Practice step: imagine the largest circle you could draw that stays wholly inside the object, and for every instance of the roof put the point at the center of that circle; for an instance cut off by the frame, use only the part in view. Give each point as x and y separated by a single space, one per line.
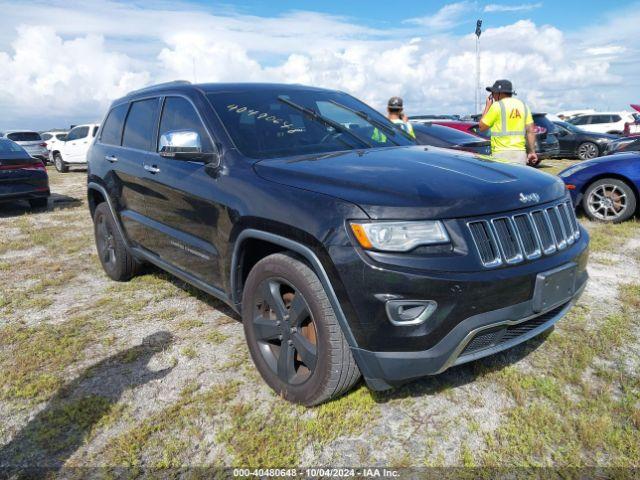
185 86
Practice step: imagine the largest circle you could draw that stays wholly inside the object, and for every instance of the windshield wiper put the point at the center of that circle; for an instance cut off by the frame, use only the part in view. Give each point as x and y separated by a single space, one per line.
327 121
391 130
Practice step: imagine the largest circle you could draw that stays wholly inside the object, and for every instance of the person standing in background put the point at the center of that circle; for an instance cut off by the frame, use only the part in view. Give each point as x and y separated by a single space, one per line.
513 138
396 115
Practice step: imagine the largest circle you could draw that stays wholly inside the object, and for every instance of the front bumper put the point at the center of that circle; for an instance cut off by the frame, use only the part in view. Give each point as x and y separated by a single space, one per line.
476 337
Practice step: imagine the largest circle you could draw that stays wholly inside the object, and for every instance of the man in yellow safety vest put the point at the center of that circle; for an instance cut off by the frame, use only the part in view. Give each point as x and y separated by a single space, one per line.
513 137
396 115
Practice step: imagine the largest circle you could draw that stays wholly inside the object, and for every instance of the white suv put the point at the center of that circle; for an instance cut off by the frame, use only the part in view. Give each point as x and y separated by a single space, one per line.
53 140
603 122
73 151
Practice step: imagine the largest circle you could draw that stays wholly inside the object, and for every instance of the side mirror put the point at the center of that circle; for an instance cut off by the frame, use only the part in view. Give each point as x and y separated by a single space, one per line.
185 145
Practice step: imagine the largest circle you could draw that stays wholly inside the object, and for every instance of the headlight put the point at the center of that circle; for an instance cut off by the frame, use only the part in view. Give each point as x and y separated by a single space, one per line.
399 236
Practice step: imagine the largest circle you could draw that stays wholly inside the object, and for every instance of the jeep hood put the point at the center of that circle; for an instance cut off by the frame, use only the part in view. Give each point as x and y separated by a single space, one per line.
415 182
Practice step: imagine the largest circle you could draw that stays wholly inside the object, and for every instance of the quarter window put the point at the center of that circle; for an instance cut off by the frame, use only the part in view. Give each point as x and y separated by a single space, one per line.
179 114
112 130
140 125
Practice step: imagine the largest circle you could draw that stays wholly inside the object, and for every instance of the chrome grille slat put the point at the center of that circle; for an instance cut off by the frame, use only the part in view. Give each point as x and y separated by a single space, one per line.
564 217
556 227
528 235
543 230
485 243
507 239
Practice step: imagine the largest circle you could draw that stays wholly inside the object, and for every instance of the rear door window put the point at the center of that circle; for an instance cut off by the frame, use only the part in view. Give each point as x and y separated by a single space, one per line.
112 129
46 136
139 129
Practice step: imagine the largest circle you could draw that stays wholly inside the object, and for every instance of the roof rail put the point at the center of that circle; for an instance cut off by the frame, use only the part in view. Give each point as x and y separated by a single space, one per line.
173 83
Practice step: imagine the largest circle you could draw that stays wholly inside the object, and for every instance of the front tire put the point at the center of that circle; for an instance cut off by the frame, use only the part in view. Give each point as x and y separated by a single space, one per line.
118 263
609 200
60 164
587 151
292 332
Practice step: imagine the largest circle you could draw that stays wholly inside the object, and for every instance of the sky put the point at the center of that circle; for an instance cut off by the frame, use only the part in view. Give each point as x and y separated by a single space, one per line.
63 62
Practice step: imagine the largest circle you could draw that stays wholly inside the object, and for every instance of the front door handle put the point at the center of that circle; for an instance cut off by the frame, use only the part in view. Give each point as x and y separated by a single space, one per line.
151 168
111 158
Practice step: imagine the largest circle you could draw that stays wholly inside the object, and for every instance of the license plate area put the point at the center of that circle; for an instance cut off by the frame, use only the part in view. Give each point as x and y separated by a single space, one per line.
554 287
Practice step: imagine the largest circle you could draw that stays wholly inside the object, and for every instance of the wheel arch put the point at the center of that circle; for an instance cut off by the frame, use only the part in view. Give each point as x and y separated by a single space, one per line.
243 259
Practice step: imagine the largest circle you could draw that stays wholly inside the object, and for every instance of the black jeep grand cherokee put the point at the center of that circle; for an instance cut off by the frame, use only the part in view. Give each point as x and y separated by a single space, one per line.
346 248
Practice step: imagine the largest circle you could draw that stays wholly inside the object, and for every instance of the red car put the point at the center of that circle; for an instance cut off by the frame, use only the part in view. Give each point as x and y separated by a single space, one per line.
633 129
469 127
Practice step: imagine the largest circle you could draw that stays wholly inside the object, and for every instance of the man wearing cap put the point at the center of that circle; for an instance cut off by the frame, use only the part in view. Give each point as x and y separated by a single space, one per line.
513 138
395 115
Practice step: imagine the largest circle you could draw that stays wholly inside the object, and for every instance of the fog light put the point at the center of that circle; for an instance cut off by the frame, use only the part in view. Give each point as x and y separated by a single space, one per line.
410 312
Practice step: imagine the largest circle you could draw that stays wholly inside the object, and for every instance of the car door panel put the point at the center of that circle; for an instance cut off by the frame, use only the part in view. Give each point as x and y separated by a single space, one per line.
184 217
183 223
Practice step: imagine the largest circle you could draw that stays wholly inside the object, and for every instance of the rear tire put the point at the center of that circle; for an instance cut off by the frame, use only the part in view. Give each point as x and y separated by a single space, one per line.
38 203
609 200
118 263
292 332
60 165
587 151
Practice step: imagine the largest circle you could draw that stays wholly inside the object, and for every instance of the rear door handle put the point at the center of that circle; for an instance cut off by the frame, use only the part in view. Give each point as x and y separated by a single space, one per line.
151 168
111 158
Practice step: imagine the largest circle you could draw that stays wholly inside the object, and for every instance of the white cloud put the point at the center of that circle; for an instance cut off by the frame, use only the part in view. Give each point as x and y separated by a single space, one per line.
447 17
67 72
499 7
46 74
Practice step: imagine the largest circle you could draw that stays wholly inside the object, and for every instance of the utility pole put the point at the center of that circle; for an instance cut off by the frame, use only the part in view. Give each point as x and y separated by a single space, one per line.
478 33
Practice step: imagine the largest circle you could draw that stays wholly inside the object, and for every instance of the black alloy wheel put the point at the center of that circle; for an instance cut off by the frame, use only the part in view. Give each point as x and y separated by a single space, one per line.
285 331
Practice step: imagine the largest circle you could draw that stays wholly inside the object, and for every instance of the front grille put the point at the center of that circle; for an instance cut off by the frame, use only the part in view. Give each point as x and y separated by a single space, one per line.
502 334
512 239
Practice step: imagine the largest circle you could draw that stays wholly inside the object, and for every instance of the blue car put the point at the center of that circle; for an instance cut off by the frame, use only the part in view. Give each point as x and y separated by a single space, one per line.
606 188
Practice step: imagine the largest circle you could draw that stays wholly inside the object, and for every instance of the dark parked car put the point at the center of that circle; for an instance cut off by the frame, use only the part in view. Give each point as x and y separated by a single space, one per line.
446 137
623 144
22 177
344 255
607 187
575 142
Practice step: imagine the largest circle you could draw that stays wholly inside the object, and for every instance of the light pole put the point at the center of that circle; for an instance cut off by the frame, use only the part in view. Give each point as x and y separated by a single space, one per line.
478 33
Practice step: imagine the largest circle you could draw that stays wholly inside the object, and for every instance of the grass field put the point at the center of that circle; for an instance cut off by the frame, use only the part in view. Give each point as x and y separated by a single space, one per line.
152 373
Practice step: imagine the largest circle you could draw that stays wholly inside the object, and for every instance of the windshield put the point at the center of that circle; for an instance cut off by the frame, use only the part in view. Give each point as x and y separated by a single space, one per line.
24 136
271 123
